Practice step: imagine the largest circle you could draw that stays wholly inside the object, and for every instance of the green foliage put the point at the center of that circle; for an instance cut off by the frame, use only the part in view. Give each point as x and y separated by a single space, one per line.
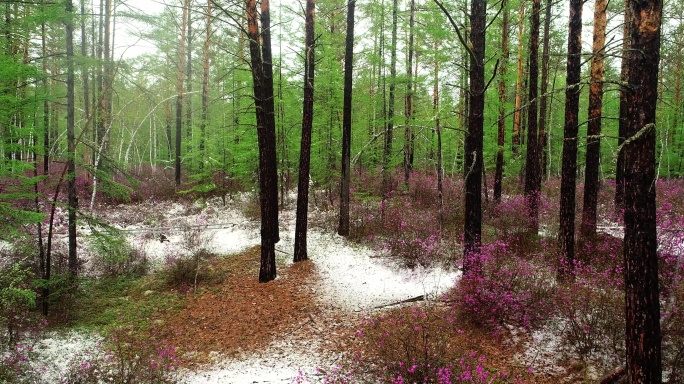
110 302
15 292
114 255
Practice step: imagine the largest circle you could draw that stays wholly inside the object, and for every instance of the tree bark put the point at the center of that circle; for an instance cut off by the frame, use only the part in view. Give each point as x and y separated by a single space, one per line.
622 124
46 104
84 75
408 105
268 178
345 184
188 82
643 336
71 142
501 123
543 102
300 251
569 166
205 86
474 138
269 110
593 154
517 114
532 166
438 131
389 128
179 99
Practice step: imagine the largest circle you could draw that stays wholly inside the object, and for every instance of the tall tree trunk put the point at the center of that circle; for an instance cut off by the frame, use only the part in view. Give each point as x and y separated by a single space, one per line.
438 130
46 104
300 252
501 123
678 95
387 153
269 110
107 78
408 107
179 99
98 132
474 138
569 162
543 102
188 82
517 114
85 75
593 155
71 142
345 183
205 86
532 166
268 177
643 336
169 134
622 124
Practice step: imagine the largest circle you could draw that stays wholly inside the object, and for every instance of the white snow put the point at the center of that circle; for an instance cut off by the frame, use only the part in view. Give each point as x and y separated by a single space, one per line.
53 353
280 362
352 278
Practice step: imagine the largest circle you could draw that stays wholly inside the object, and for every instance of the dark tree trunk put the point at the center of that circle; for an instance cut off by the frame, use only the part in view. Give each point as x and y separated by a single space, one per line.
84 74
517 114
188 83
543 102
205 86
532 166
593 155
107 81
345 184
46 104
98 132
169 134
622 124
408 106
387 153
438 131
179 99
71 142
268 192
569 163
643 337
268 107
300 252
501 123
473 142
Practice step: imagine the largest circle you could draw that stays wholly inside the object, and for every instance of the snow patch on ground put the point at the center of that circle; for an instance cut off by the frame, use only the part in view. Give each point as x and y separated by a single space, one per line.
281 362
53 353
352 278
541 353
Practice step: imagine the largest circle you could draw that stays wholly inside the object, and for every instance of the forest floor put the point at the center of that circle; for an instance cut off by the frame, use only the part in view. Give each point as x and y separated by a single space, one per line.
305 323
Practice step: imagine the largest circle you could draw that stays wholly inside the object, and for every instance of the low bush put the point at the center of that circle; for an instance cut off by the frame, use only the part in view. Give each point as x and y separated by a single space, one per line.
414 345
126 357
184 272
114 256
510 290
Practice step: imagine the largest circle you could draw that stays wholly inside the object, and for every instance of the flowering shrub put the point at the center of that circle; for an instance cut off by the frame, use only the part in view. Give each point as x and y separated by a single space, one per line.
593 319
183 272
16 352
125 359
509 290
413 345
410 236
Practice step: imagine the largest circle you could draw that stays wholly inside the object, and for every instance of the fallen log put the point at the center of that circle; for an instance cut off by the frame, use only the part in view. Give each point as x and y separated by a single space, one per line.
411 300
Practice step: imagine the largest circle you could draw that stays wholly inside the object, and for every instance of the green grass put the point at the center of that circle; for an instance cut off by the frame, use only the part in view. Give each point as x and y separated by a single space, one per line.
122 301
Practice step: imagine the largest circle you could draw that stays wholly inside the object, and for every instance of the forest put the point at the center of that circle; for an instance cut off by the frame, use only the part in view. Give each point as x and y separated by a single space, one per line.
333 191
